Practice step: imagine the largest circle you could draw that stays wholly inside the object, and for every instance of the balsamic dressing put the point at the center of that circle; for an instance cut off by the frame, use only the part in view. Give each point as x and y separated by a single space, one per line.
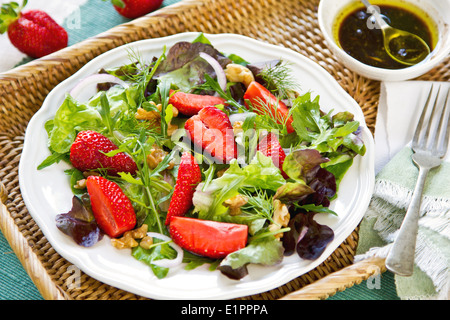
359 38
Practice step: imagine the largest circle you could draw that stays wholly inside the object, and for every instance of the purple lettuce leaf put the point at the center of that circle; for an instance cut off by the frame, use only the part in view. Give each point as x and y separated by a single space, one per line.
185 69
312 183
299 163
79 223
324 185
306 237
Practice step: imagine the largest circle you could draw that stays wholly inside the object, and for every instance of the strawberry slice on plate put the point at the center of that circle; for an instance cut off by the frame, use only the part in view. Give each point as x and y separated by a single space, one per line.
88 153
207 238
264 102
211 130
190 104
189 176
112 209
270 147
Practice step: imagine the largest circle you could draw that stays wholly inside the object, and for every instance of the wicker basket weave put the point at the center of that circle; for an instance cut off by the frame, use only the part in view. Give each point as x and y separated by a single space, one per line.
289 23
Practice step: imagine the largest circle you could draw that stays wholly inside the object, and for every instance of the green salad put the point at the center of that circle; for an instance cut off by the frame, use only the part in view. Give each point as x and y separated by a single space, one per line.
197 157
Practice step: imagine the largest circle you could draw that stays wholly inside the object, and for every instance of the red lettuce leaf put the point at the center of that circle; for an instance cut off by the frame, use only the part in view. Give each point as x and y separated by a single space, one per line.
324 185
306 237
79 223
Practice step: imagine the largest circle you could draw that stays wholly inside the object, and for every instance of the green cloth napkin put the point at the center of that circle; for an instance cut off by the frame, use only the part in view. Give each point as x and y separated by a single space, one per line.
392 194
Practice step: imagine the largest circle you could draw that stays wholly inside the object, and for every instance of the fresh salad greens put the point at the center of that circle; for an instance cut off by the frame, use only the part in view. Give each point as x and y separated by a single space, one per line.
280 198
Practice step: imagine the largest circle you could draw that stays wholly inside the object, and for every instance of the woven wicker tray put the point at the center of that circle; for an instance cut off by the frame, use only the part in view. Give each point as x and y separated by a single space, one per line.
289 23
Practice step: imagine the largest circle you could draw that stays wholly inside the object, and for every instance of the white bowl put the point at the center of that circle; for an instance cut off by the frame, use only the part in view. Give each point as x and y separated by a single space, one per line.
439 10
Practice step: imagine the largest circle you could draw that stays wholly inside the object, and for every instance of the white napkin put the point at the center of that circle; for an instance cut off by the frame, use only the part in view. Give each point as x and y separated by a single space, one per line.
59 10
399 109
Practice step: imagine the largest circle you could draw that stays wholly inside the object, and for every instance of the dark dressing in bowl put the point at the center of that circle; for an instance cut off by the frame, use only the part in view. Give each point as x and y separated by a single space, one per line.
358 36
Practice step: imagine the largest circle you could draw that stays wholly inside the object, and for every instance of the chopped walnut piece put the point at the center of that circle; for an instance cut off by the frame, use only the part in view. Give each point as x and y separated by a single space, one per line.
156 155
221 172
142 114
281 217
125 242
146 242
154 116
237 127
140 232
128 238
174 112
235 203
90 173
171 128
239 73
80 184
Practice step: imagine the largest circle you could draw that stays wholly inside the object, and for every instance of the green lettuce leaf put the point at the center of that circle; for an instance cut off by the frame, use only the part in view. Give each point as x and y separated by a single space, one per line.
147 256
264 251
72 116
261 173
323 132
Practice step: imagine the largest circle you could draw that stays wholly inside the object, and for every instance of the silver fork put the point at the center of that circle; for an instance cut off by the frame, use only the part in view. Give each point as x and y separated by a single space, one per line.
429 144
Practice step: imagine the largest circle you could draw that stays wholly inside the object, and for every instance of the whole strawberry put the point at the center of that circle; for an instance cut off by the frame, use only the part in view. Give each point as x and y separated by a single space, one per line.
135 8
32 32
88 153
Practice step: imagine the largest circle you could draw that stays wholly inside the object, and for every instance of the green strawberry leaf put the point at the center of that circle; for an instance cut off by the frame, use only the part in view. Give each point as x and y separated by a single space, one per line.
118 3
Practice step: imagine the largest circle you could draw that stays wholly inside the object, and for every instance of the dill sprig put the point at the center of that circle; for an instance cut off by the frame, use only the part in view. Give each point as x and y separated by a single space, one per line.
268 116
280 80
259 203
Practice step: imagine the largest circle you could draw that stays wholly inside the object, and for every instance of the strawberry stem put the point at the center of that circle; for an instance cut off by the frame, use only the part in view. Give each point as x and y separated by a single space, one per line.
9 13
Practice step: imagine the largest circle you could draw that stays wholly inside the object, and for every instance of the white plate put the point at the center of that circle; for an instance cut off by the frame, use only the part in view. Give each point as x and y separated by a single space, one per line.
47 193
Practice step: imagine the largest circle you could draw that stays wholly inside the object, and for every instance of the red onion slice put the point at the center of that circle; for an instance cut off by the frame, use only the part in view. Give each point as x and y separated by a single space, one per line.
95 79
220 73
167 263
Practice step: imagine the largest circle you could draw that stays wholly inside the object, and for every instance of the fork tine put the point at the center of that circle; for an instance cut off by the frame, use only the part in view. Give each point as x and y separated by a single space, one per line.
432 139
431 142
417 138
444 123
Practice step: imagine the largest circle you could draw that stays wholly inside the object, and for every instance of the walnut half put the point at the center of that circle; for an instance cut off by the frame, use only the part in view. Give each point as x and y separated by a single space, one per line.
237 73
235 203
281 217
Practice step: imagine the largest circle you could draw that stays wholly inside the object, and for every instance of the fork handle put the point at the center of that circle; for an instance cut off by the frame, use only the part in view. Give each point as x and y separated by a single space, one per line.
400 259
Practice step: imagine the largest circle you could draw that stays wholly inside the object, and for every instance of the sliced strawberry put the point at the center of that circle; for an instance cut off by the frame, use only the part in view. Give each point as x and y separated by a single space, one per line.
270 147
87 153
264 102
190 104
112 209
211 130
208 238
189 176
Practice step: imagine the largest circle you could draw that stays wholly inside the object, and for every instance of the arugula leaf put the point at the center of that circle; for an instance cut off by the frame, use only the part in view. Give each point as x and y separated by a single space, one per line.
225 95
55 157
